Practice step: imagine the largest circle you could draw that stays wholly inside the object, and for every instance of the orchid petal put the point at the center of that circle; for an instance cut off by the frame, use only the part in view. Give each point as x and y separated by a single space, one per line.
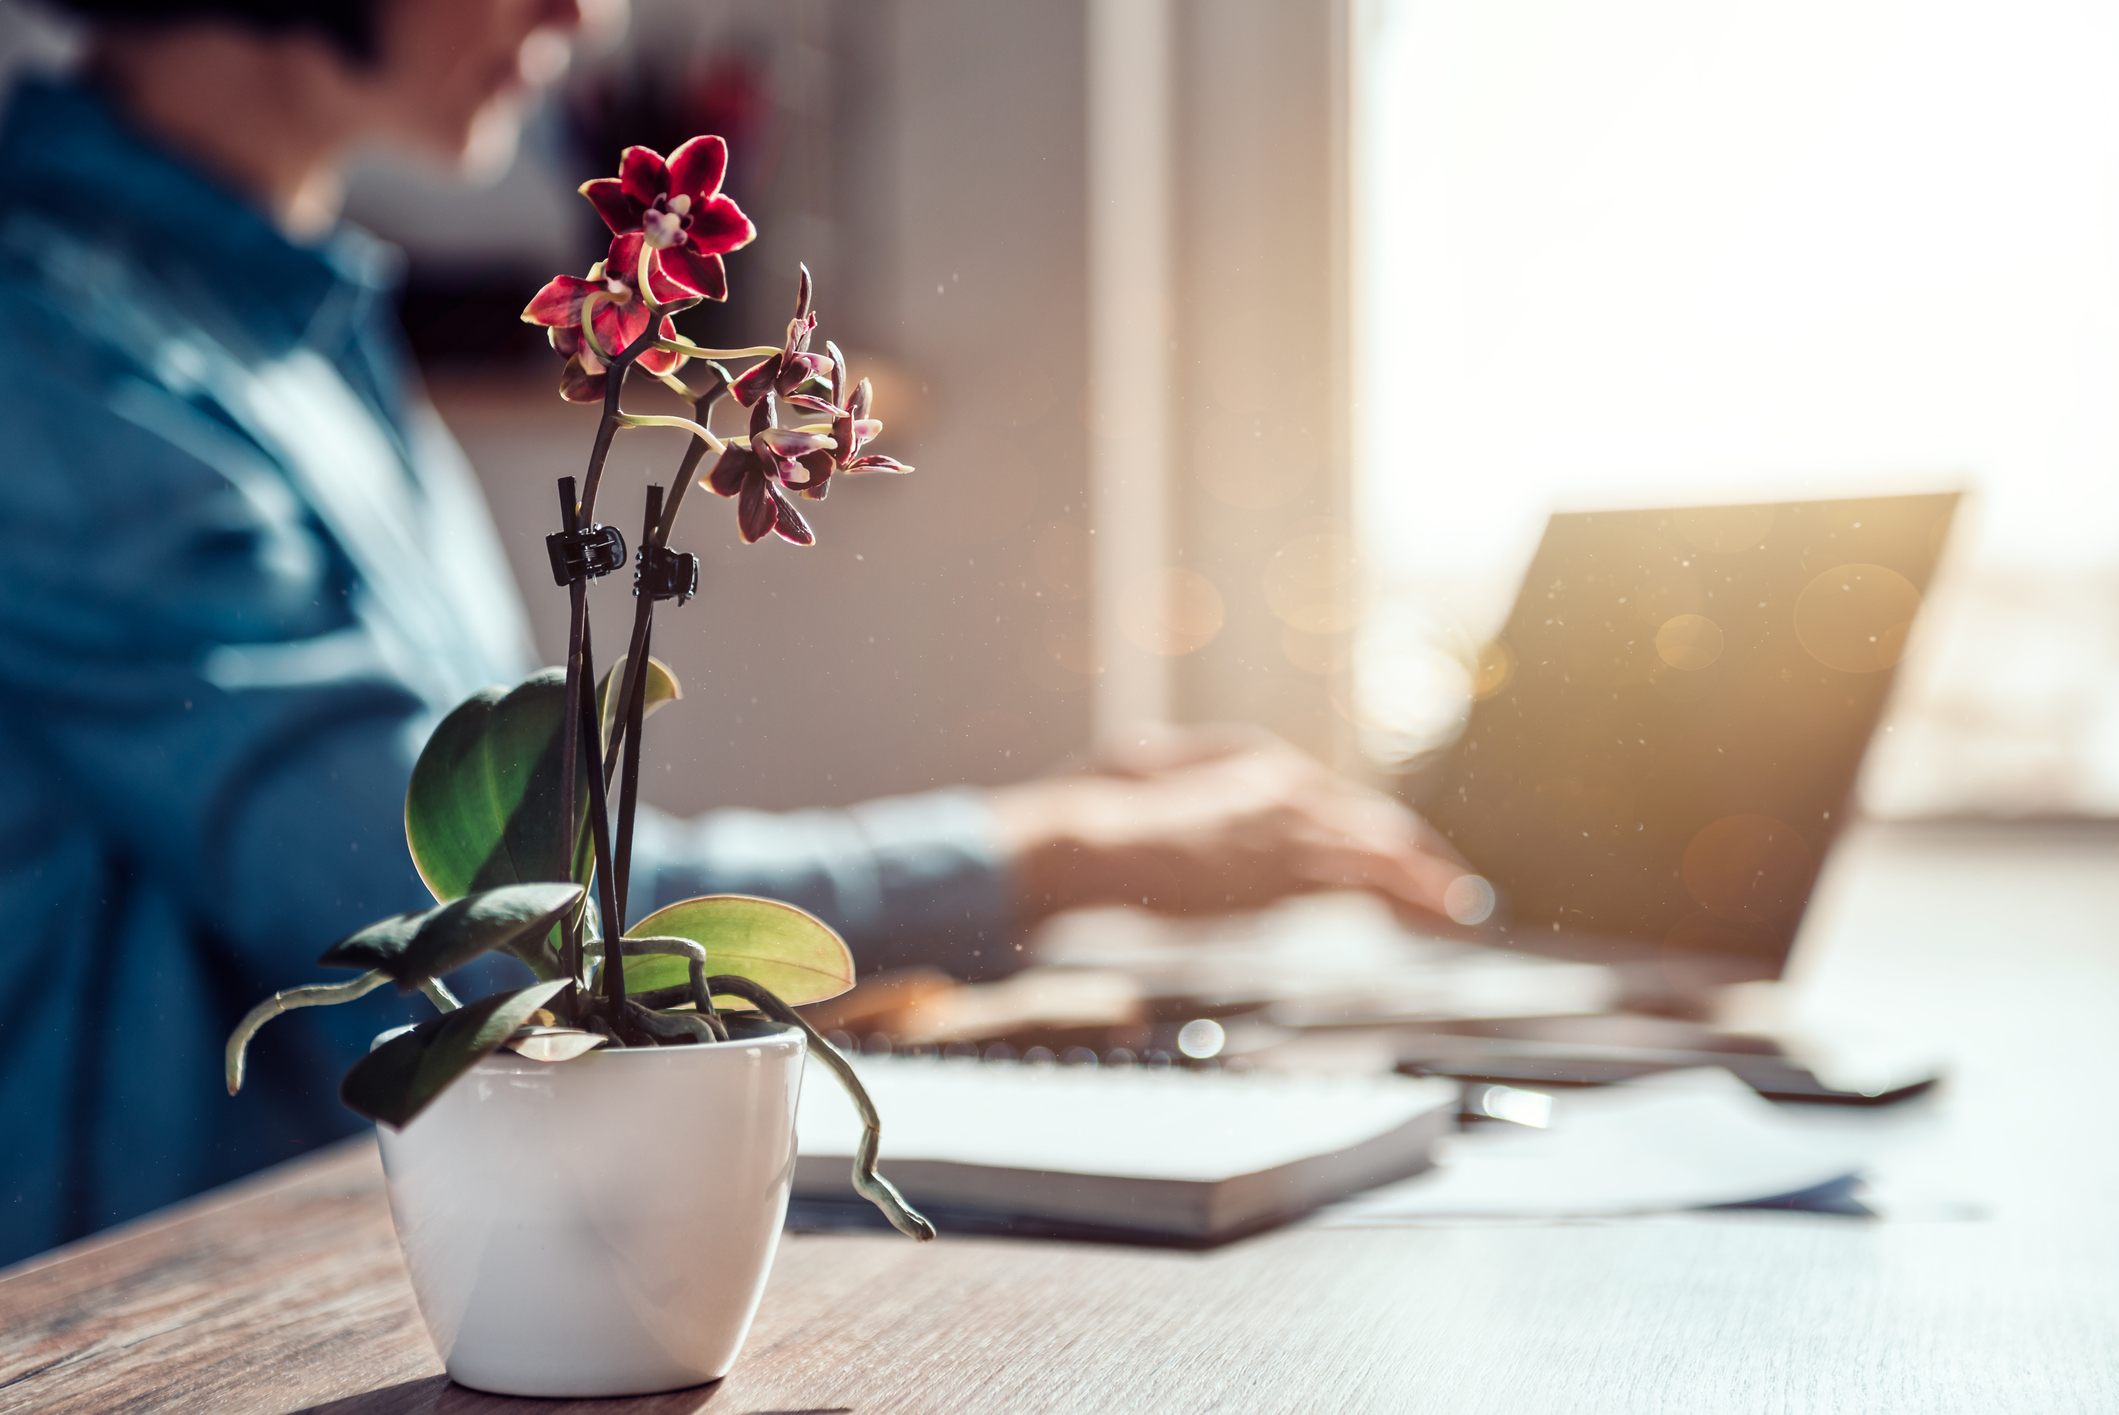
821 465
667 287
787 442
838 374
619 211
578 385
757 511
622 261
755 382
719 226
810 403
664 360
876 464
726 479
696 168
787 521
559 303
799 369
699 274
643 175
617 326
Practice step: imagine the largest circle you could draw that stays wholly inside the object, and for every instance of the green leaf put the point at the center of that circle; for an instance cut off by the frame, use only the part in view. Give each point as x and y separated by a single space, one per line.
413 947
398 1080
483 808
662 687
773 944
651 971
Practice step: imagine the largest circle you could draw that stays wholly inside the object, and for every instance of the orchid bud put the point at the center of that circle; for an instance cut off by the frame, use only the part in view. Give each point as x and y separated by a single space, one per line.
838 373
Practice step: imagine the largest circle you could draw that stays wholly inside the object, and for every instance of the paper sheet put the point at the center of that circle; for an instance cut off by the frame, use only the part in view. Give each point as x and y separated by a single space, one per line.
1136 1122
1680 1140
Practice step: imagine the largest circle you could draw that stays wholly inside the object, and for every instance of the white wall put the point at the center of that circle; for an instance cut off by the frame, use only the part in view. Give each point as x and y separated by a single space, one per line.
922 641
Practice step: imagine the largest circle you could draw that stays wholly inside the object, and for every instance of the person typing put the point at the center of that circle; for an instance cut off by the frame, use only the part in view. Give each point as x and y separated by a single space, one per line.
227 624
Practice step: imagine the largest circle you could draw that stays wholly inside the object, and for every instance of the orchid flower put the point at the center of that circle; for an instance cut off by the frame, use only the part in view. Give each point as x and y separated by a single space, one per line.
678 208
788 372
608 306
851 429
761 469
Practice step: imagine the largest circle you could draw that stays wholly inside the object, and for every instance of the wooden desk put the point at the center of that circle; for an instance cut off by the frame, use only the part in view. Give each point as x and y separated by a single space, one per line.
286 1294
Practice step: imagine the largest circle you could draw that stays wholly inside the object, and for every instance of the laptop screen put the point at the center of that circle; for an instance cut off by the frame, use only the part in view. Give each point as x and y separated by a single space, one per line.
1668 729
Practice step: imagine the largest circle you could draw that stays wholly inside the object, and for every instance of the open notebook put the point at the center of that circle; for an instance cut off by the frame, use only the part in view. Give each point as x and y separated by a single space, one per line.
1172 1154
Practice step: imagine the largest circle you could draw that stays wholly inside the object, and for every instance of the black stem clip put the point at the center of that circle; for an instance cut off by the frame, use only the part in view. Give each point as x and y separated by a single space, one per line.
587 554
666 574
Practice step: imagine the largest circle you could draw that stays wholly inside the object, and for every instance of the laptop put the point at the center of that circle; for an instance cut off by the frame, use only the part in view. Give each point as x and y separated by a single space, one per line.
1667 736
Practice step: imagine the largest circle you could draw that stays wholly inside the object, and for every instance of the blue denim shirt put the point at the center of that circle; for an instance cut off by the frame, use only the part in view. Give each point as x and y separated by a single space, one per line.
243 570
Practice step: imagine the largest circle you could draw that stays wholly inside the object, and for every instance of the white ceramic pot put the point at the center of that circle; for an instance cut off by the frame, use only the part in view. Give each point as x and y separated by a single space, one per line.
600 1226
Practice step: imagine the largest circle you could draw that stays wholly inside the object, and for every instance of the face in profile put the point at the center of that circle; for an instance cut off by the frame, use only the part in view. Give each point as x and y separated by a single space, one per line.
451 75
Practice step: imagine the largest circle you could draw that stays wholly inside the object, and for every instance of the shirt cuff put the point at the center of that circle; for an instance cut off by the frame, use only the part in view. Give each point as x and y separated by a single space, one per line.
906 880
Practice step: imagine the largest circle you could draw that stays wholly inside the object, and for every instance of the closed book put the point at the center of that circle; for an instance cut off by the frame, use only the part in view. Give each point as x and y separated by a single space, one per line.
1155 1153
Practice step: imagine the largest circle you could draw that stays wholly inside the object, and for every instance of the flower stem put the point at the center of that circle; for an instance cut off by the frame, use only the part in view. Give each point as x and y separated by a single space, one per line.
600 831
659 535
694 351
635 710
613 386
702 411
569 762
713 443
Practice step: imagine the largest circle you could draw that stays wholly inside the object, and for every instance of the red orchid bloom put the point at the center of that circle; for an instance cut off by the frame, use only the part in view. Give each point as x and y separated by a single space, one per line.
760 476
851 429
620 317
788 372
678 208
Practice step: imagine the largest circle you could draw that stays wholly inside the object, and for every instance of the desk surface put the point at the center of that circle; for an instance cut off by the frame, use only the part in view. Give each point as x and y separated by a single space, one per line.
286 1294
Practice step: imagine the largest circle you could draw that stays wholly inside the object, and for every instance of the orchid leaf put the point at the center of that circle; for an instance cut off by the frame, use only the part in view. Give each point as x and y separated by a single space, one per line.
415 947
400 1078
483 807
775 945
662 687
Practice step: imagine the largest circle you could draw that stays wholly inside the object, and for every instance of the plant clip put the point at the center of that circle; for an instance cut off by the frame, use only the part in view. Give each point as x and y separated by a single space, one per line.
586 554
666 574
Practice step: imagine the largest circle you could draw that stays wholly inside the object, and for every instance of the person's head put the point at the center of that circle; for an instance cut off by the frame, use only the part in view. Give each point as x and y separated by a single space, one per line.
226 76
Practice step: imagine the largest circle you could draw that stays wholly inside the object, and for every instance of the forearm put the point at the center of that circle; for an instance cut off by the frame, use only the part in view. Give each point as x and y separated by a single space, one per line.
907 880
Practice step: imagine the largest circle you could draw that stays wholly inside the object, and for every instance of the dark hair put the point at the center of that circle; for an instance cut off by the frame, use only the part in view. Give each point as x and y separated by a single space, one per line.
349 24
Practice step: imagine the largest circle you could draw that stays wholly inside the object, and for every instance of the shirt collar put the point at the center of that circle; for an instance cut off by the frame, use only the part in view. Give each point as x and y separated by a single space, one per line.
68 154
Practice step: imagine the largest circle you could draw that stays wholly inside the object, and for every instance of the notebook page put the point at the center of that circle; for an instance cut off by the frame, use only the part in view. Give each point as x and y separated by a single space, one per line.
1132 1122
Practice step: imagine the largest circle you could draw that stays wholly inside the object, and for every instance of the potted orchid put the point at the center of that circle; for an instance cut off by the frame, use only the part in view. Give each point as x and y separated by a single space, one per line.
589 1174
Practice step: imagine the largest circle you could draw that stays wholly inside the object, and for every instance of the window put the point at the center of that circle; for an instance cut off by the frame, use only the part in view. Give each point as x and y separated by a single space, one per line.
1653 251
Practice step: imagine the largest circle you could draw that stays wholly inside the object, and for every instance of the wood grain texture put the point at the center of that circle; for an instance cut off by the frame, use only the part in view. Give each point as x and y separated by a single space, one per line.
286 1294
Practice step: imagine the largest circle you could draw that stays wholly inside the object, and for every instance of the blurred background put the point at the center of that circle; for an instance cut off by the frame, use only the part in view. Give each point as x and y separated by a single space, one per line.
1242 348
1645 252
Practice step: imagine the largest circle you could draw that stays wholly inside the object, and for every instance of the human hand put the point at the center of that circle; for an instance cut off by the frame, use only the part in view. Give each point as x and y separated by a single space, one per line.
1214 819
